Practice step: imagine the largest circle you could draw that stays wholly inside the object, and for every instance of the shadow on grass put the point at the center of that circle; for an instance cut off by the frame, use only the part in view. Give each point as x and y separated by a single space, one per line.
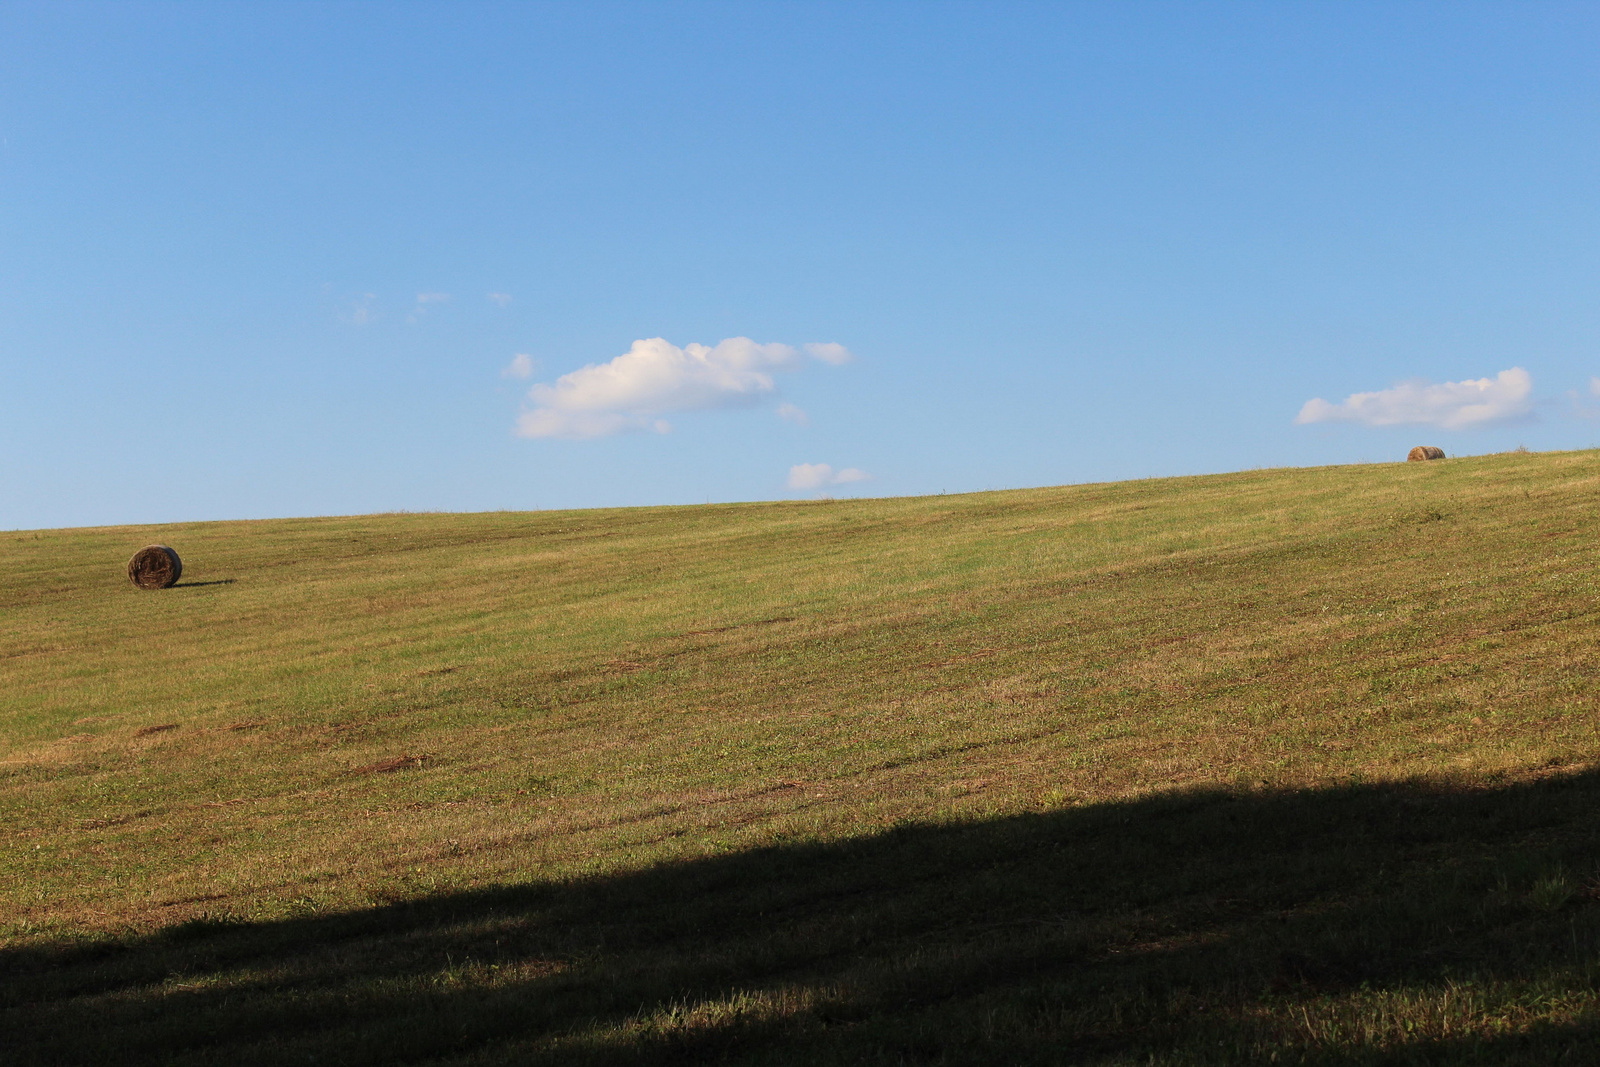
196 585
1410 923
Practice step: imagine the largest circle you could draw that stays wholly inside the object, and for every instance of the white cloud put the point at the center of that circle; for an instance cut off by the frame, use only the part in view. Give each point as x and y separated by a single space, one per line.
829 353
809 475
651 379
1448 405
794 414
818 475
503 299
521 366
1594 386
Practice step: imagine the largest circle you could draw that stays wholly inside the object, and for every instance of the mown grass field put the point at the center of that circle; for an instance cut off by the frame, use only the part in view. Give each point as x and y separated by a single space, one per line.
1290 765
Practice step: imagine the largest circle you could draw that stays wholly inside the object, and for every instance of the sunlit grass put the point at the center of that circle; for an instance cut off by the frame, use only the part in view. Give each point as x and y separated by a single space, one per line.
336 714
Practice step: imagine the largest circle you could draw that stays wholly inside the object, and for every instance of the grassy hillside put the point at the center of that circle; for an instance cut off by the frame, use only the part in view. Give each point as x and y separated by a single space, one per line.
1286 763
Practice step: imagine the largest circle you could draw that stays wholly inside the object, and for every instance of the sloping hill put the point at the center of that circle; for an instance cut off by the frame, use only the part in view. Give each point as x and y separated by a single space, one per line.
1287 761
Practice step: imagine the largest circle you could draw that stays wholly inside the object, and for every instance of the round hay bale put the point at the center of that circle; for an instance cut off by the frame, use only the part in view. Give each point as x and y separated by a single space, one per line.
156 567
1424 452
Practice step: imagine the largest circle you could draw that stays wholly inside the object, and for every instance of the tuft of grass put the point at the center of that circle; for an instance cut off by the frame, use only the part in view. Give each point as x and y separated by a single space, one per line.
1196 770
1553 891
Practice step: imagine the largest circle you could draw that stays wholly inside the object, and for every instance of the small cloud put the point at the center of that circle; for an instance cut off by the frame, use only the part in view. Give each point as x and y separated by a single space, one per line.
424 302
819 475
654 378
796 415
809 475
1447 405
502 299
1594 386
829 353
363 311
521 366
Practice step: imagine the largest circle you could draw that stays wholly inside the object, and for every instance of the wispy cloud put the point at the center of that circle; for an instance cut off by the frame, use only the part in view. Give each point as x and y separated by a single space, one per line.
363 311
655 378
821 475
502 299
425 301
1506 397
793 413
521 366
1580 405
830 352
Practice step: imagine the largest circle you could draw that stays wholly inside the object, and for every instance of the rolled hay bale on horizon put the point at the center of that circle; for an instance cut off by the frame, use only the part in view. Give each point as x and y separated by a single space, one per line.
1424 452
155 567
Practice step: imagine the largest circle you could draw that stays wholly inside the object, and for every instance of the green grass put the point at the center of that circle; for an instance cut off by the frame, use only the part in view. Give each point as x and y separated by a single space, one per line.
1289 764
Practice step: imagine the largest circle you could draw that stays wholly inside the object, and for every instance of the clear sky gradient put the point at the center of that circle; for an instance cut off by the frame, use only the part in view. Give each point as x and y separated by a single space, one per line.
265 260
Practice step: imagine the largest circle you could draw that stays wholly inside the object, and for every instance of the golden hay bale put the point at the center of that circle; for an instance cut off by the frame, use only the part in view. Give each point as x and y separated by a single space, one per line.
1423 452
156 567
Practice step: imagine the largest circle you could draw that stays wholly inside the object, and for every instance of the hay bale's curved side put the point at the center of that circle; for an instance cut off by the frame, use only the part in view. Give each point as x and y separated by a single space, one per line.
155 567
1424 452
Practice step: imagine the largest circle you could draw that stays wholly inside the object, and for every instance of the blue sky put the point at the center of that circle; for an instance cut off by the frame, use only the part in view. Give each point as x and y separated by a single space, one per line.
263 260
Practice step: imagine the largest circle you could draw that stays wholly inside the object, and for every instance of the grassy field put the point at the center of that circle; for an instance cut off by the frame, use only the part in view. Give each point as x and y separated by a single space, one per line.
1278 766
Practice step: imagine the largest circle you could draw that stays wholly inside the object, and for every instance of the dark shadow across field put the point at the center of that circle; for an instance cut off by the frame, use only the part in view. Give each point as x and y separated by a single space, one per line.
1363 924
196 585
